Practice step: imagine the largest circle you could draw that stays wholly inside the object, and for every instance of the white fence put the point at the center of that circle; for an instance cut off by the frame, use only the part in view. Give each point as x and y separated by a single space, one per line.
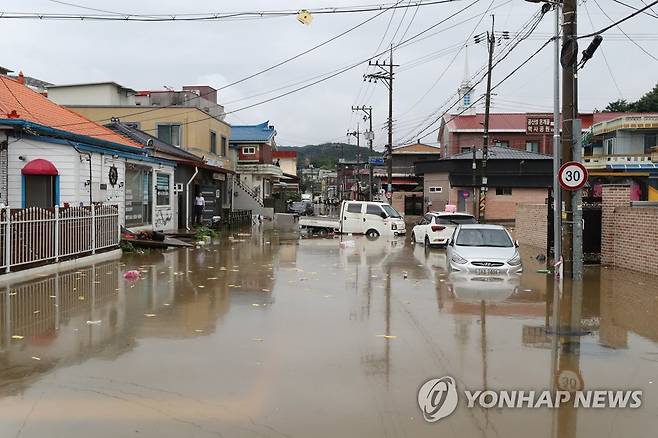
32 236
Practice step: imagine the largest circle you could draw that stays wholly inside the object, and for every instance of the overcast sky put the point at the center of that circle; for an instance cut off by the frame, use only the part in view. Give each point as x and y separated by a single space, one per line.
154 55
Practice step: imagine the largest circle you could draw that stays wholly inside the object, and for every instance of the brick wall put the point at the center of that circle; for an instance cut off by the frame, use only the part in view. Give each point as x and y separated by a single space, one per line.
530 224
629 236
503 207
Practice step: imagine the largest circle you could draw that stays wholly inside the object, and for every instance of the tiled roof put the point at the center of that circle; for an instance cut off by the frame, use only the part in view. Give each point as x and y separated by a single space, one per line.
142 138
500 153
260 133
26 104
514 121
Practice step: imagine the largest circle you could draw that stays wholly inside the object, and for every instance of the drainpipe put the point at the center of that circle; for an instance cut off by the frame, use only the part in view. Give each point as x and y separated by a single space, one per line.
187 198
91 199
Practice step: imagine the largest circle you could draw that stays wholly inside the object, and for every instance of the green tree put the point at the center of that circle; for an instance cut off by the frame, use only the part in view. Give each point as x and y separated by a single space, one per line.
645 104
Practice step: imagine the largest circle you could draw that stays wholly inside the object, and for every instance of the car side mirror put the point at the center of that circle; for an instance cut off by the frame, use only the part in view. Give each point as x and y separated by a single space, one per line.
451 242
516 243
383 215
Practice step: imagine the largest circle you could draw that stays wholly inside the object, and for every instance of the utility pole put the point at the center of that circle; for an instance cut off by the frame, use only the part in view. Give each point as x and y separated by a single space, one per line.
491 40
357 134
370 136
569 115
385 74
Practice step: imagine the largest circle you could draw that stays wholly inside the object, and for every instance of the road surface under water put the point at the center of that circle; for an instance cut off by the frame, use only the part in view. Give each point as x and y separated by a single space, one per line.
264 334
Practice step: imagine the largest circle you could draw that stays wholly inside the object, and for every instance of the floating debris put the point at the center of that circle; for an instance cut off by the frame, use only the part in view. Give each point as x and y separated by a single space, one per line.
387 336
201 286
149 315
257 339
17 337
96 322
81 298
255 304
131 275
36 358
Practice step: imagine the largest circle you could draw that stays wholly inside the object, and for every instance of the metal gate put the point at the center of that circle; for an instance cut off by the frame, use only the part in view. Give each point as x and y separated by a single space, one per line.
592 229
413 205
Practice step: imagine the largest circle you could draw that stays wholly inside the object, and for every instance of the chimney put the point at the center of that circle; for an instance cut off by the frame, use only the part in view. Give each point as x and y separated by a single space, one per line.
21 78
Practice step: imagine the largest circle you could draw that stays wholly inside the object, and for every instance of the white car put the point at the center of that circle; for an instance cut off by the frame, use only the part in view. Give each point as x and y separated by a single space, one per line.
483 250
436 228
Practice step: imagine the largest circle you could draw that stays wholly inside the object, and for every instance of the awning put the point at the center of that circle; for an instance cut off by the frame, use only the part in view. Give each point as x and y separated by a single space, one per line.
405 181
39 166
202 165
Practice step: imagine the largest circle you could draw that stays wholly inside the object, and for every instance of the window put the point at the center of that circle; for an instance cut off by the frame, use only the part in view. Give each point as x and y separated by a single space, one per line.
162 188
455 219
532 146
373 209
248 150
213 142
354 208
436 189
390 211
464 149
484 237
503 191
169 133
223 146
649 142
609 145
427 219
467 99
502 143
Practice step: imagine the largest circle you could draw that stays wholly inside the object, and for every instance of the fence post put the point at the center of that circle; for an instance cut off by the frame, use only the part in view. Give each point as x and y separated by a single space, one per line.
8 238
93 229
118 227
56 233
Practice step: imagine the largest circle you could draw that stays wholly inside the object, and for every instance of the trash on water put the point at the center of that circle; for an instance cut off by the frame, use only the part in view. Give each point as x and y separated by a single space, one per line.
36 358
257 339
17 337
131 275
96 322
149 315
387 336
255 304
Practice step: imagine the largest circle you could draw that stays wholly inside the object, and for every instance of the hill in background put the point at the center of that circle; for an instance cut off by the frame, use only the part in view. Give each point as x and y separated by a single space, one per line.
325 155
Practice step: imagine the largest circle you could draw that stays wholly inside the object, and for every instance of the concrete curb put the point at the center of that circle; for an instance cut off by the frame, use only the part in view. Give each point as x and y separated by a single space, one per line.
41 271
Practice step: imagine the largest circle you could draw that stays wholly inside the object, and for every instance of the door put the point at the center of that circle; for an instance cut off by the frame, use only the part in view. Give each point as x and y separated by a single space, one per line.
413 205
40 191
592 229
353 218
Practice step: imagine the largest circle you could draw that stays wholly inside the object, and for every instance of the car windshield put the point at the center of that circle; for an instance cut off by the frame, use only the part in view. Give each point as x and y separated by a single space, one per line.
490 237
390 211
455 220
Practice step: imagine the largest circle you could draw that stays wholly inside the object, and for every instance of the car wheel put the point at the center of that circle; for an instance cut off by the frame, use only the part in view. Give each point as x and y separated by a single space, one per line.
372 234
427 241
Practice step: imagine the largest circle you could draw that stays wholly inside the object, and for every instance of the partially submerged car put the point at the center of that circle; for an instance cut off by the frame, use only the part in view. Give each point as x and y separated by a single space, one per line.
483 250
436 228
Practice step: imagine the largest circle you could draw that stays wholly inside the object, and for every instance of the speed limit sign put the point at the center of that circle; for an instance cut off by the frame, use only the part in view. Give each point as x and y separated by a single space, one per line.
572 175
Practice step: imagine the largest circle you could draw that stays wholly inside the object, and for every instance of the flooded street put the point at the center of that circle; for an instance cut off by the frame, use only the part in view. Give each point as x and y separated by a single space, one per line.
264 334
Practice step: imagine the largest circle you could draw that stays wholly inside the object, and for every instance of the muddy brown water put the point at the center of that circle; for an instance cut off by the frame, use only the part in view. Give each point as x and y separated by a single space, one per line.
269 335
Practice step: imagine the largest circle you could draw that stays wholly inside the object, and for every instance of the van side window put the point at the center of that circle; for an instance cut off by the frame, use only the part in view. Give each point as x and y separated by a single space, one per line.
354 208
374 209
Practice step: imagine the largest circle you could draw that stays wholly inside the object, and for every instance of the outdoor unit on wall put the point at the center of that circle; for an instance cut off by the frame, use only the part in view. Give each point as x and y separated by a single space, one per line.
178 187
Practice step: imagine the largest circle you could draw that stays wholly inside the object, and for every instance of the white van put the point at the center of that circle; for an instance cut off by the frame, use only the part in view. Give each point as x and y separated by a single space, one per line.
360 217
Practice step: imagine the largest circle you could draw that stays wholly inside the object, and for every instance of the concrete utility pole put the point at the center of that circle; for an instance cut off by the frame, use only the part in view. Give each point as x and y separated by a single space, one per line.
357 134
569 60
386 75
370 136
491 40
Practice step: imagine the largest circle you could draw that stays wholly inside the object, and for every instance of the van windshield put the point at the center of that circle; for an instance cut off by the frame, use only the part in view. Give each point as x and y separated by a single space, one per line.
390 211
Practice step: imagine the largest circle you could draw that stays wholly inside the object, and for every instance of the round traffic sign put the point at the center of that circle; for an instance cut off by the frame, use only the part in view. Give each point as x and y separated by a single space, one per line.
572 175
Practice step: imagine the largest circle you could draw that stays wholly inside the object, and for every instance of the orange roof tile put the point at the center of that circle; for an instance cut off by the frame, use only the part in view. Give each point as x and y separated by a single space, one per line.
33 107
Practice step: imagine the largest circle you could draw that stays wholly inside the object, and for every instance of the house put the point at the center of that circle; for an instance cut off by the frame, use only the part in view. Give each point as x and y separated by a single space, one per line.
531 132
287 161
624 150
407 187
513 176
52 156
255 145
190 119
192 176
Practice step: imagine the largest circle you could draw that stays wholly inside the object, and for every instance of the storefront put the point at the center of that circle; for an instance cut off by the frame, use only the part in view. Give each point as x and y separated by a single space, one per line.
149 196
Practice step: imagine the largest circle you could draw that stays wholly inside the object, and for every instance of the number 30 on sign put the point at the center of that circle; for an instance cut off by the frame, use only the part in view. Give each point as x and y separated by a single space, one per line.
572 175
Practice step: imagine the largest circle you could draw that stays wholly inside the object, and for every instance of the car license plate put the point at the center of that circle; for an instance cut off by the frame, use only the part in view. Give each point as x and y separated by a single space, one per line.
487 271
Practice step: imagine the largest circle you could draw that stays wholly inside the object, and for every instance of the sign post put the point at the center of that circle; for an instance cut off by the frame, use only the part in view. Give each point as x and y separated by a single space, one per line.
572 175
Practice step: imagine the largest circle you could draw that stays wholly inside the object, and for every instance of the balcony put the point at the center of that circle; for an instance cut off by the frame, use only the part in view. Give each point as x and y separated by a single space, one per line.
607 161
626 122
260 169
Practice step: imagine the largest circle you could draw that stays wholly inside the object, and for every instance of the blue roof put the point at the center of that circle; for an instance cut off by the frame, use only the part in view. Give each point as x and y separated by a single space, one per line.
634 166
261 133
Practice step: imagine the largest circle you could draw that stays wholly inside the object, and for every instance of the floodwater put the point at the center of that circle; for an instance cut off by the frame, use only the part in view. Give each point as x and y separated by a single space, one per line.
269 335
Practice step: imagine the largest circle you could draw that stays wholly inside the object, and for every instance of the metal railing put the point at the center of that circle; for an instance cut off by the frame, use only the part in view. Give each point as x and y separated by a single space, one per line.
601 161
33 236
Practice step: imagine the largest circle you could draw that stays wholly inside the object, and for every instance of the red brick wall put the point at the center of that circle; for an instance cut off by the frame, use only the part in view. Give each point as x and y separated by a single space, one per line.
516 140
530 224
629 236
503 207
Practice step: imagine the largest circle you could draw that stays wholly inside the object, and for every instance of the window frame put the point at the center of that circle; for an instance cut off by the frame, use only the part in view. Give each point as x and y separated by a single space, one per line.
244 150
157 185
374 206
350 204
440 189
502 191
534 143
169 125
223 144
213 141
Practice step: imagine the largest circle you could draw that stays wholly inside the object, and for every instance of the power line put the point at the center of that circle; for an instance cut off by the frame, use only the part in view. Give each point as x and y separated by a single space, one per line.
618 22
211 16
620 29
634 8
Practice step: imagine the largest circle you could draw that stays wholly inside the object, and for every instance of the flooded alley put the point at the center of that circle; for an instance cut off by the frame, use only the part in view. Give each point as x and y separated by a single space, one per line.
266 334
